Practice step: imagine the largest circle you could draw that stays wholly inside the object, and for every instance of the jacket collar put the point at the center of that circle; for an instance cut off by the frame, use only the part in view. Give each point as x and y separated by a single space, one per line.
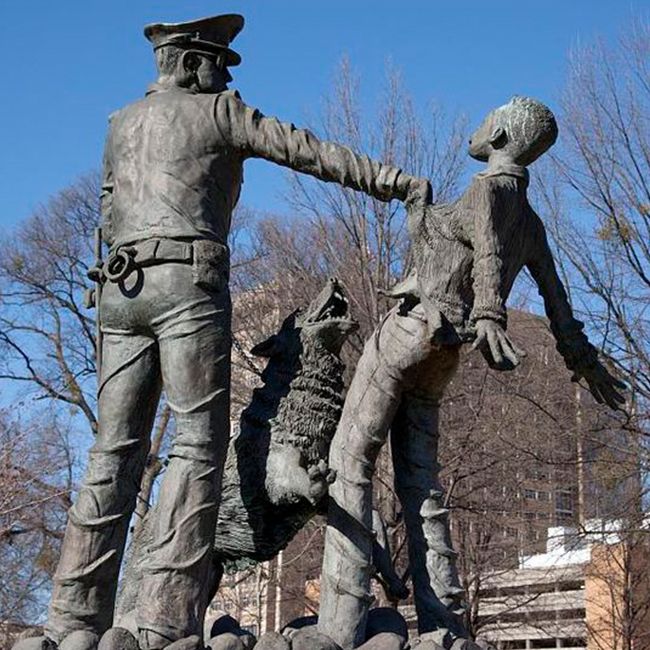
161 88
506 169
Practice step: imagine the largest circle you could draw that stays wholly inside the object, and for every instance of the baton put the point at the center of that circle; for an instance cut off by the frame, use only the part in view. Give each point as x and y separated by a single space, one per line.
96 275
98 298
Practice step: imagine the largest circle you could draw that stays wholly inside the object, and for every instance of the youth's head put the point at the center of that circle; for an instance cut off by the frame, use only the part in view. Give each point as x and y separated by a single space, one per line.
521 130
196 54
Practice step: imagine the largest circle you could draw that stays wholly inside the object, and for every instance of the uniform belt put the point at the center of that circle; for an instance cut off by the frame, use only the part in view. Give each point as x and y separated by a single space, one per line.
156 251
123 260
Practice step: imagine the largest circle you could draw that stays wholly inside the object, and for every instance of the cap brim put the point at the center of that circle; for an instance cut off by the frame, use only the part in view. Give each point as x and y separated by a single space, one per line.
230 24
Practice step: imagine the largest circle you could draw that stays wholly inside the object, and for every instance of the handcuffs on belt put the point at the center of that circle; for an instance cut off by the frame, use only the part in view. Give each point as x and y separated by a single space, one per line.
119 264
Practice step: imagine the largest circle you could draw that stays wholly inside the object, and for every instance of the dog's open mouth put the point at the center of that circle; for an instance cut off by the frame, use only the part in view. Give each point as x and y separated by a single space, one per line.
331 304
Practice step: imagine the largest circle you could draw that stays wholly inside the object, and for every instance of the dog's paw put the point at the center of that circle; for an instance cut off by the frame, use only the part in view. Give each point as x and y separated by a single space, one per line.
320 478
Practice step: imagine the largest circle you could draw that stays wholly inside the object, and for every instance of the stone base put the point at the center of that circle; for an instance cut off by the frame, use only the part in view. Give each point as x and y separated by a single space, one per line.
387 630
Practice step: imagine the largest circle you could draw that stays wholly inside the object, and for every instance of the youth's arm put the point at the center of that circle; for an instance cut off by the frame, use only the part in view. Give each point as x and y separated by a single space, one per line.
567 330
580 356
257 136
487 270
489 315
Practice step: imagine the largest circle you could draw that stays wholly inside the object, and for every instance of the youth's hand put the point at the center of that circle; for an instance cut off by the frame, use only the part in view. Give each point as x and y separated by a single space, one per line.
602 384
418 197
499 351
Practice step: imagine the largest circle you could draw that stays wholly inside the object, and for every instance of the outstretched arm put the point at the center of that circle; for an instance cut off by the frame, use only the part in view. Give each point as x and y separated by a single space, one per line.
257 136
579 355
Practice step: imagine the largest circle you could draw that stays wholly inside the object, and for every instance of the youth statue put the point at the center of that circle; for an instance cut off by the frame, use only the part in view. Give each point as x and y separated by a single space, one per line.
172 177
467 256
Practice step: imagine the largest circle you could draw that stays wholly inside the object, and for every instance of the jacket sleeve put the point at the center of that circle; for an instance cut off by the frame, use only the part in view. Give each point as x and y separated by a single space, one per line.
106 192
488 268
571 341
257 136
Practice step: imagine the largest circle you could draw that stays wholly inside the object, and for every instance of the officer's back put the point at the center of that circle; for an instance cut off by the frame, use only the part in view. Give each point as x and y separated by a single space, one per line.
174 175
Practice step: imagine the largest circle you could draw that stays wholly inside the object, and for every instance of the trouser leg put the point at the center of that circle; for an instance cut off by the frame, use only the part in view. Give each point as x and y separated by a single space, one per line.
371 403
195 360
86 578
414 441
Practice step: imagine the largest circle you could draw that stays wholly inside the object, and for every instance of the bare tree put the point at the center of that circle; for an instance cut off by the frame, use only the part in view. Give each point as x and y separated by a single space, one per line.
596 195
36 470
597 199
47 336
519 452
47 364
363 239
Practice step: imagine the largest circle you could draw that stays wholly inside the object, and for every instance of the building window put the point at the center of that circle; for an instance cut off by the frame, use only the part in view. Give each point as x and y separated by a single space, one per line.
563 503
537 495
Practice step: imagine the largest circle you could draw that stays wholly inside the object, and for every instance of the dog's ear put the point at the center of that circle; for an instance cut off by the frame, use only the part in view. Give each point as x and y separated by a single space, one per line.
289 323
266 348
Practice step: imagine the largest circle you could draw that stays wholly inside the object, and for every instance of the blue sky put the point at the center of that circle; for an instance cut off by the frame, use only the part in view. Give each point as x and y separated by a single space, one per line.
70 64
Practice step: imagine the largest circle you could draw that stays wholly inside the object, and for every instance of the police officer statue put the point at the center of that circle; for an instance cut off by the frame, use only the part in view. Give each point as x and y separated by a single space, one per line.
172 177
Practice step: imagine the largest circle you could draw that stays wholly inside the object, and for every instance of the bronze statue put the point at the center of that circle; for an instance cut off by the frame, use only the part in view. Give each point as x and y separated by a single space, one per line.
467 256
172 177
173 169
